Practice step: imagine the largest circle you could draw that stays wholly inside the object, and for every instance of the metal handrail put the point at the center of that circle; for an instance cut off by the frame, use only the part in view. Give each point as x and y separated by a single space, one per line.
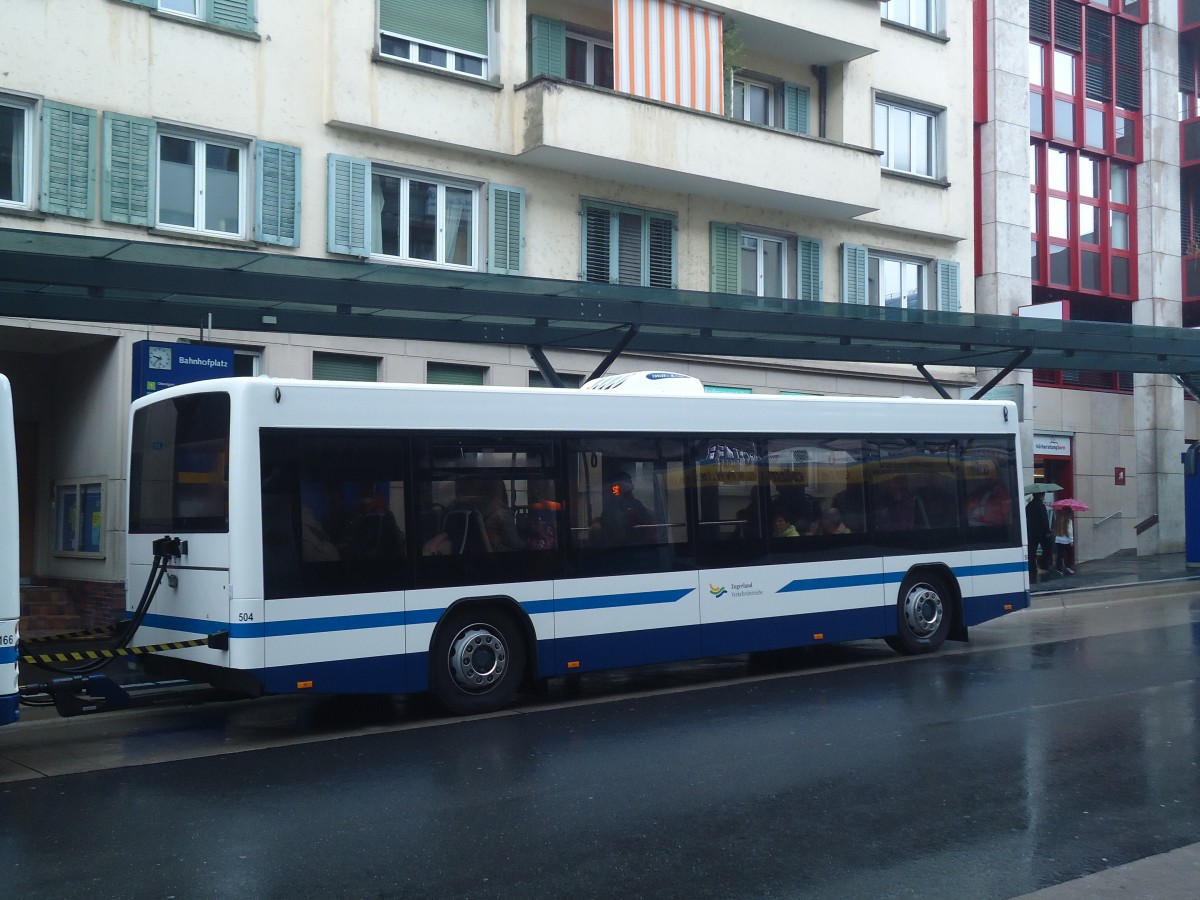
1115 515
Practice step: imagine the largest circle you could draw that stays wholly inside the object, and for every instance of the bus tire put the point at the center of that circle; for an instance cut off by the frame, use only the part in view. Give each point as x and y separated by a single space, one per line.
478 660
923 614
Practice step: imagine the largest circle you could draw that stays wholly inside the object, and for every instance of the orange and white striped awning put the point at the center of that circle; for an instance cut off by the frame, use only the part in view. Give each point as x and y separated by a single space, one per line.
670 52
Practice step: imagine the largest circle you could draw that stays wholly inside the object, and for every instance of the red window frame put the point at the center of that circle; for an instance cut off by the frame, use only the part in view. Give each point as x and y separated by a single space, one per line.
1067 185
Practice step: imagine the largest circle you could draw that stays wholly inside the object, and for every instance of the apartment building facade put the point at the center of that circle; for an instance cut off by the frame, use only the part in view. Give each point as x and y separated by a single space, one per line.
782 150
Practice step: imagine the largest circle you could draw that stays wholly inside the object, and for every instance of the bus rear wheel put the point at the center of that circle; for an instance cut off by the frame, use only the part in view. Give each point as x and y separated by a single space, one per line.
478 661
923 615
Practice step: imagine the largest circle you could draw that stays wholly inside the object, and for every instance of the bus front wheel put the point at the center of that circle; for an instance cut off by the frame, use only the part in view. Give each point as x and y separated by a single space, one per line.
923 615
478 661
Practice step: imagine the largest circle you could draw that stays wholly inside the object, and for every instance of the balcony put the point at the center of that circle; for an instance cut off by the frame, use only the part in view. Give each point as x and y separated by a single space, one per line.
820 32
594 132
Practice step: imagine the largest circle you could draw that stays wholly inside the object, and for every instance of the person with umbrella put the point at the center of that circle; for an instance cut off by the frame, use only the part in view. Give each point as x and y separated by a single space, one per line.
1037 525
1064 533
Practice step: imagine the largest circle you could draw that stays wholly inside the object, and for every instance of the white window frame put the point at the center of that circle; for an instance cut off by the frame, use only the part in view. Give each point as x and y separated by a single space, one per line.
923 270
591 44
76 487
741 83
196 13
889 137
403 236
412 54
785 250
202 142
900 12
29 148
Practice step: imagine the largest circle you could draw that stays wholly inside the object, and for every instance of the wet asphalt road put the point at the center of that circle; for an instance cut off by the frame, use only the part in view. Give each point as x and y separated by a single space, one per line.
1059 743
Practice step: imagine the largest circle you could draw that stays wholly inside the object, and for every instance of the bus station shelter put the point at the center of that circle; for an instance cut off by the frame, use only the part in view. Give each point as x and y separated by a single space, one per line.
109 280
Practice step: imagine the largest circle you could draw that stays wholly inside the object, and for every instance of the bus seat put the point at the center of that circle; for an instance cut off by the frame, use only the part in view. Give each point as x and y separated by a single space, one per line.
466 531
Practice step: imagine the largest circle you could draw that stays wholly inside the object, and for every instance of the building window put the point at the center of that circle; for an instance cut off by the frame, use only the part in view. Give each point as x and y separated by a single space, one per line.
764 271
16 154
79 517
1082 222
183 7
344 367
453 373
420 220
920 14
451 36
1085 79
907 137
201 185
625 245
897 282
589 60
753 101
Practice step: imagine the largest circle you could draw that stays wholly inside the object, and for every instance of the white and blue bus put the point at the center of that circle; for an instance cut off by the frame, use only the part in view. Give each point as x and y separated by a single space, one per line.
10 590
356 538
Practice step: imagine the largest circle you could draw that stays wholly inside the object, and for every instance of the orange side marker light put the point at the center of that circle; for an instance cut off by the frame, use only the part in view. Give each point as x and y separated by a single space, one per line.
300 685
574 664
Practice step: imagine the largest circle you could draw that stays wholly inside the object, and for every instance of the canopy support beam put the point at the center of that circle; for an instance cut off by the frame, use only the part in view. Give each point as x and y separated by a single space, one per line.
615 352
544 366
1002 374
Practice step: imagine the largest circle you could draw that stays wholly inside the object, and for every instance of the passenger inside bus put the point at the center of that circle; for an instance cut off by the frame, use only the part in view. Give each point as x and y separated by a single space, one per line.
830 523
624 519
899 509
781 526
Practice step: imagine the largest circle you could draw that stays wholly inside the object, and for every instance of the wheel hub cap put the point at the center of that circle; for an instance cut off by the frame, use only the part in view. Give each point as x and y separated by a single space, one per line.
478 659
923 611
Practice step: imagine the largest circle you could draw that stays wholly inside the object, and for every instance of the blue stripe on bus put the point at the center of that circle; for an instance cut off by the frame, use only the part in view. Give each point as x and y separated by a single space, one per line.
992 568
10 709
828 582
8 655
871 579
615 601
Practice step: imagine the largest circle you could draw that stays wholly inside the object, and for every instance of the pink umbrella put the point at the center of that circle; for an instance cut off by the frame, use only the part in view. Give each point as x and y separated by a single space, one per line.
1070 503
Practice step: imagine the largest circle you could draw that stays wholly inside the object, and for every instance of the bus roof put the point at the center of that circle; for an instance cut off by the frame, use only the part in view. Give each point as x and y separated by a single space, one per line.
283 402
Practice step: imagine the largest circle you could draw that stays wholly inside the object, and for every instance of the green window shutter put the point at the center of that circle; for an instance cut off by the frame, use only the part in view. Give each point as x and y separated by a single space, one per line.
237 14
458 24
947 286
348 229
450 373
725 258
660 253
506 229
127 181
547 47
597 244
343 367
854 273
277 212
68 160
810 281
795 108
